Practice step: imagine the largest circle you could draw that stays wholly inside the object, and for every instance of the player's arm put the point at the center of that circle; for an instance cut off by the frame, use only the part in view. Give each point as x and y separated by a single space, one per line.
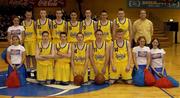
52 53
38 56
66 55
91 56
129 56
152 29
148 58
95 25
80 26
135 60
134 30
72 60
130 30
114 27
86 60
8 58
9 36
112 58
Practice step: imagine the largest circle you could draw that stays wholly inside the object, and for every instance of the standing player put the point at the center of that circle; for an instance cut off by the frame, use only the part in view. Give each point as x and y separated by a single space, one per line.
124 23
43 24
106 26
59 26
120 56
88 27
15 29
44 55
15 58
79 58
29 39
62 65
99 56
74 26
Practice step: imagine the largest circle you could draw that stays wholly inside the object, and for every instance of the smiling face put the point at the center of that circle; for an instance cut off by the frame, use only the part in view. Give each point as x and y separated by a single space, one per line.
43 13
16 21
104 15
15 40
142 14
155 43
63 37
142 41
80 37
59 14
121 14
73 16
28 14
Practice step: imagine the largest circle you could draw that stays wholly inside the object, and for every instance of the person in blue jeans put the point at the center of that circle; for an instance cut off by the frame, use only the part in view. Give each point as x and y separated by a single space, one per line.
15 58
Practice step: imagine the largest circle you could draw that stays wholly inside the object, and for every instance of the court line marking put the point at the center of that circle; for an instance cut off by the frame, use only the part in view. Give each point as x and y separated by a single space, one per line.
171 96
62 92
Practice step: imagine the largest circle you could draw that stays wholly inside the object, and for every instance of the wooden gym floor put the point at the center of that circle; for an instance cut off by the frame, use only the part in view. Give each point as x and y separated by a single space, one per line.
129 91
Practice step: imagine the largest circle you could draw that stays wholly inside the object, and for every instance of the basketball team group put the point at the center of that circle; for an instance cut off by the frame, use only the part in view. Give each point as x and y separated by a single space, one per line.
60 50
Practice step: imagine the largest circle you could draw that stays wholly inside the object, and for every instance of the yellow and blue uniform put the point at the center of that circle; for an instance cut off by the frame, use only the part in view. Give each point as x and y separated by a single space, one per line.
57 29
30 38
62 65
106 30
99 60
72 32
45 67
125 27
79 61
88 31
43 27
120 61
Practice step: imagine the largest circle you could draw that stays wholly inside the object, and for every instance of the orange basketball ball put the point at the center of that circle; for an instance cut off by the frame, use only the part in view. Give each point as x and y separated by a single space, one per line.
99 79
78 80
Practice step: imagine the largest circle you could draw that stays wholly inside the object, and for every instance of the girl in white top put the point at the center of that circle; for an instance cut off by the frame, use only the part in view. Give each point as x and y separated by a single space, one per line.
15 29
141 54
15 58
157 59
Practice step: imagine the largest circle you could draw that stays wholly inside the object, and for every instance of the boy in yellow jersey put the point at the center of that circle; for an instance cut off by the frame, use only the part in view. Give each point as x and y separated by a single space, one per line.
73 28
29 40
62 65
124 23
43 24
120 56
79 57
59 26
99 56
88 27
44 55
106 26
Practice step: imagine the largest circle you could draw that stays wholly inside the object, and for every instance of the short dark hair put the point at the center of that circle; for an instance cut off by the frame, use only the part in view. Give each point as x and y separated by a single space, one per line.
120 9
45 32
98 30
119 30
63 33
79 33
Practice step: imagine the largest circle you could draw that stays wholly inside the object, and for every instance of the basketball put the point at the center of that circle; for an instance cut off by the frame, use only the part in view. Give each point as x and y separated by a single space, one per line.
99 79
78 80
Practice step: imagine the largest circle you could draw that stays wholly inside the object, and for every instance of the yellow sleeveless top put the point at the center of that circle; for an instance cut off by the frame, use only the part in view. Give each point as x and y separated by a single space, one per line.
88 31
44 52
64 50
80 55
30 34
57 29
42 27
99 53
120 53
125 27
106 30
72 32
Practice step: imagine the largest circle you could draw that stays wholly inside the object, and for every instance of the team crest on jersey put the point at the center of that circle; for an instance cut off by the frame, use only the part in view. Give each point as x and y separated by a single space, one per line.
99 57
87 33
120 56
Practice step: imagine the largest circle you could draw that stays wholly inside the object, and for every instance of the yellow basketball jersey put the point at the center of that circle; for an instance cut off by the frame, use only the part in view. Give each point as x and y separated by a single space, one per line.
30 34
44 52
99 53
64 50
58 28
106 30
88 31
125 27
72 32
42 27
120 54
80 55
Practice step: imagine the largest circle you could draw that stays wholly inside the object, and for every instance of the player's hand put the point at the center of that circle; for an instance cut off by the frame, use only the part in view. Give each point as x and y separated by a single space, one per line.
114 69
128 68
103 70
